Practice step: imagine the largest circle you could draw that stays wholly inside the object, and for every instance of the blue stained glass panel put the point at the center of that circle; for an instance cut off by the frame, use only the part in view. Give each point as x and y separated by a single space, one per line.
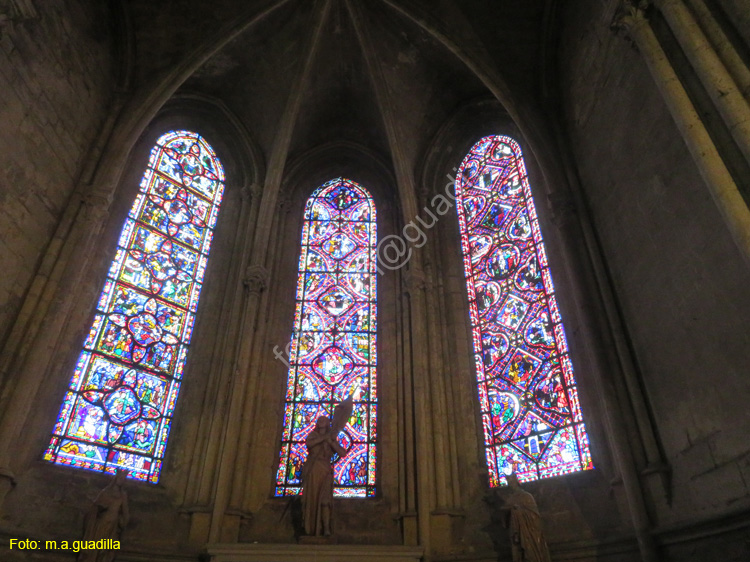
118 408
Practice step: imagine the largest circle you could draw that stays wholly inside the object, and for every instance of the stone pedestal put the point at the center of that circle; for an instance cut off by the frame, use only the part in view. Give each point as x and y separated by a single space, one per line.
446 530
311 553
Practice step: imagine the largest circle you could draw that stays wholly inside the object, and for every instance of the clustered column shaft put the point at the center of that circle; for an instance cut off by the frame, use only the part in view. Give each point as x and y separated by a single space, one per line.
705 154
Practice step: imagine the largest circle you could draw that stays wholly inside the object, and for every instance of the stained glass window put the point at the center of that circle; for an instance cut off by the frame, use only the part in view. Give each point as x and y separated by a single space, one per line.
527 393
332 354
118 408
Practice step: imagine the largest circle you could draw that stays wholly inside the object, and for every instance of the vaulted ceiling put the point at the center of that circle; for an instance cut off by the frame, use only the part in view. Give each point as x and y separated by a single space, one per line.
381 73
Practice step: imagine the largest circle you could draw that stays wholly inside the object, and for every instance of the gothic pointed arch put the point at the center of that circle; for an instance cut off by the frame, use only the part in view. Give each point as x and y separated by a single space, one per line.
332 353
530 411
118 408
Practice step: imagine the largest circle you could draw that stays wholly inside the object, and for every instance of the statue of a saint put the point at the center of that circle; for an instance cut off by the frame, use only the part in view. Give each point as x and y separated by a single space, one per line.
525 524
106 519
317 472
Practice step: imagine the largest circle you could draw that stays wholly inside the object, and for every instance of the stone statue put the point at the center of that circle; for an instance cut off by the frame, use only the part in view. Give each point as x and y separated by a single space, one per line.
525 524
106 519
317 472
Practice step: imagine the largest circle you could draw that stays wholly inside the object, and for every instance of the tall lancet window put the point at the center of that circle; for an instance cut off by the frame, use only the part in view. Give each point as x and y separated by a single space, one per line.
332 354
527 394
118 408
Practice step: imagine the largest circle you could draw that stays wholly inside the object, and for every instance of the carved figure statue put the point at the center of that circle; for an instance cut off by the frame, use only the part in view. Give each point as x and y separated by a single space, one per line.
525 524
317 472
106 519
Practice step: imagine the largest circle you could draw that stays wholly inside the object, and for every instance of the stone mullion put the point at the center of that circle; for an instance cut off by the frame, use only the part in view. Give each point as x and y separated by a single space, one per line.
255 280
446 515
705 155
203 457
406 438
247 475
423 431
251 406
451 391
436 395
435 372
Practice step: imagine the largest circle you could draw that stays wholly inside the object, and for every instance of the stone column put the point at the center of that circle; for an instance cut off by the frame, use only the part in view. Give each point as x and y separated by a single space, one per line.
446 518
204 456
436 393
406 421
711 71
710 165
418 364
567 223
245 494
225 528
723 46
563 214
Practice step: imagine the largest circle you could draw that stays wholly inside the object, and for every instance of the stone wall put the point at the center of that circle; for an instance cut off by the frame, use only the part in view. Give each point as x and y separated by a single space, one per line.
56 78
680 281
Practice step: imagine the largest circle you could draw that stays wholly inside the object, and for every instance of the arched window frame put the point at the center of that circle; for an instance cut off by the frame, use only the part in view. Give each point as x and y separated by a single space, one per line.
507 405
123 402
354 474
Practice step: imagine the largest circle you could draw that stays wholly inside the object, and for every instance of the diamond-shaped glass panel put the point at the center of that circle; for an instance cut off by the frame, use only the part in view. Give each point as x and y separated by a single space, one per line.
339 246
333 365
336 301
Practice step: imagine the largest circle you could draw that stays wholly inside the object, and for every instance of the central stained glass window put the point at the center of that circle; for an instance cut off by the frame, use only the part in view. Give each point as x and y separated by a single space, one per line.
332 354
118 408
528 398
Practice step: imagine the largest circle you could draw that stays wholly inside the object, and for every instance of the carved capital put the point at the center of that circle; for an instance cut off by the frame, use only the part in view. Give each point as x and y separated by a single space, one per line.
256 278
631 15
96 205
249 192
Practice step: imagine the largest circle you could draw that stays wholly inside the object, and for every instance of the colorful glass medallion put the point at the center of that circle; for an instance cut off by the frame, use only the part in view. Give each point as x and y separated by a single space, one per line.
527 394
118 407
332 352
